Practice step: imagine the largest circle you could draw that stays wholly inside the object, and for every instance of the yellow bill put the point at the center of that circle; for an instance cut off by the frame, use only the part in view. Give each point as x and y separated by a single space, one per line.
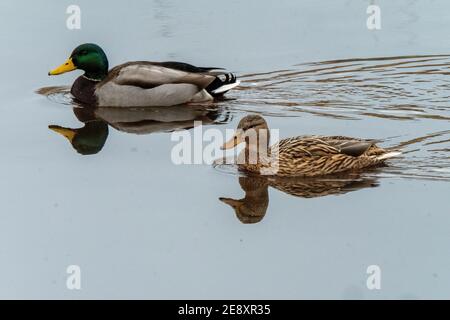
65 67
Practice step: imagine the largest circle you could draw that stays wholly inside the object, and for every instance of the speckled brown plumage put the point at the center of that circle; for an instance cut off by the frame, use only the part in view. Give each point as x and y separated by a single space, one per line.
307 156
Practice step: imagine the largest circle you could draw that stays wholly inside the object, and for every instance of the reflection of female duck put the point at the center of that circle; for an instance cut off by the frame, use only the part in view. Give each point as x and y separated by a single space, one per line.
334 184
252 208
91 138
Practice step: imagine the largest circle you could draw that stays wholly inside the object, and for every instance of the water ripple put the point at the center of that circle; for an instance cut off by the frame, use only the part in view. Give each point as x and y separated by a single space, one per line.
401 88
355 88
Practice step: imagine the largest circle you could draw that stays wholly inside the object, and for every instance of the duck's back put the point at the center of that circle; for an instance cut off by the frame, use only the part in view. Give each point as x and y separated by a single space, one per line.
144 83
323 155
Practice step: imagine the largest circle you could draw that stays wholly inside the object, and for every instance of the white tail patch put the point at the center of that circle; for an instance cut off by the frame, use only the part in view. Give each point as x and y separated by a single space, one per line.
226 87
389 155
202 96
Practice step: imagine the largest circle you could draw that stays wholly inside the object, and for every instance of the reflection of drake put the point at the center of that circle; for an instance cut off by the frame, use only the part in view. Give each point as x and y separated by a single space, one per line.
252 208
87 140
91 138
160 119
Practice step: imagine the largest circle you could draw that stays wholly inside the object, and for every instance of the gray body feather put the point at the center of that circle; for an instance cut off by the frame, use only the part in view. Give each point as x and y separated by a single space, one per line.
140 84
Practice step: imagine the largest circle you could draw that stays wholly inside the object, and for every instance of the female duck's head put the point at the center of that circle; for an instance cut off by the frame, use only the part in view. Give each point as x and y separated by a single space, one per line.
88 57
252 130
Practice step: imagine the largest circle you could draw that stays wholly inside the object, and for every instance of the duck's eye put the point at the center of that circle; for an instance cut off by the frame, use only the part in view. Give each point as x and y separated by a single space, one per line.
83 53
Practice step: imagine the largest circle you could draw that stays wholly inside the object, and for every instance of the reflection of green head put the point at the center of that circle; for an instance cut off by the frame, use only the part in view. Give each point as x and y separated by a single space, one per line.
87 140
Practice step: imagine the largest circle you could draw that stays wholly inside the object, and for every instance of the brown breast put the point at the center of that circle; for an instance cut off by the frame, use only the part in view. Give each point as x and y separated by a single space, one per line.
83 90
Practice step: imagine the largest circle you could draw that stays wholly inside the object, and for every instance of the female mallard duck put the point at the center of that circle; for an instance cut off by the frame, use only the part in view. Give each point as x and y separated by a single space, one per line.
141 83
306 156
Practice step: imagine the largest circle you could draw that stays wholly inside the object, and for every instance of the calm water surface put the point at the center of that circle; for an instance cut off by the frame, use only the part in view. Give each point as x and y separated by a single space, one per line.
141 227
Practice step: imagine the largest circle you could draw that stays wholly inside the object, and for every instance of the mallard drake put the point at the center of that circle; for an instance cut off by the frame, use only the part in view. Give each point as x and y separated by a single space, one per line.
306 156
141 83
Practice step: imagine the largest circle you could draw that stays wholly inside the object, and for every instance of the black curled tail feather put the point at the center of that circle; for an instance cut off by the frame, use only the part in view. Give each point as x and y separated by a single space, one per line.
219 82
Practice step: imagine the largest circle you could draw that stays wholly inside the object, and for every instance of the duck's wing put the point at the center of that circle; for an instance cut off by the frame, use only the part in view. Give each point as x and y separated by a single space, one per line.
353 146
145 74
182 66
323 146
304 146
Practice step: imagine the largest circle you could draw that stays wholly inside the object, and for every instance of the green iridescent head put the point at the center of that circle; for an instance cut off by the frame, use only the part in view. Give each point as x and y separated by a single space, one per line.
88 57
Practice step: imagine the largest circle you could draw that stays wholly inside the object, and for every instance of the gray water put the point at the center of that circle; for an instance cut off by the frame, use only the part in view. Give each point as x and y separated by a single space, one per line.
141 227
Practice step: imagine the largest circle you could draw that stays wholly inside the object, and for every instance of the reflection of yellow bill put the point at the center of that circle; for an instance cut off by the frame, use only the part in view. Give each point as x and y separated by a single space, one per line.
65 67
66 132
